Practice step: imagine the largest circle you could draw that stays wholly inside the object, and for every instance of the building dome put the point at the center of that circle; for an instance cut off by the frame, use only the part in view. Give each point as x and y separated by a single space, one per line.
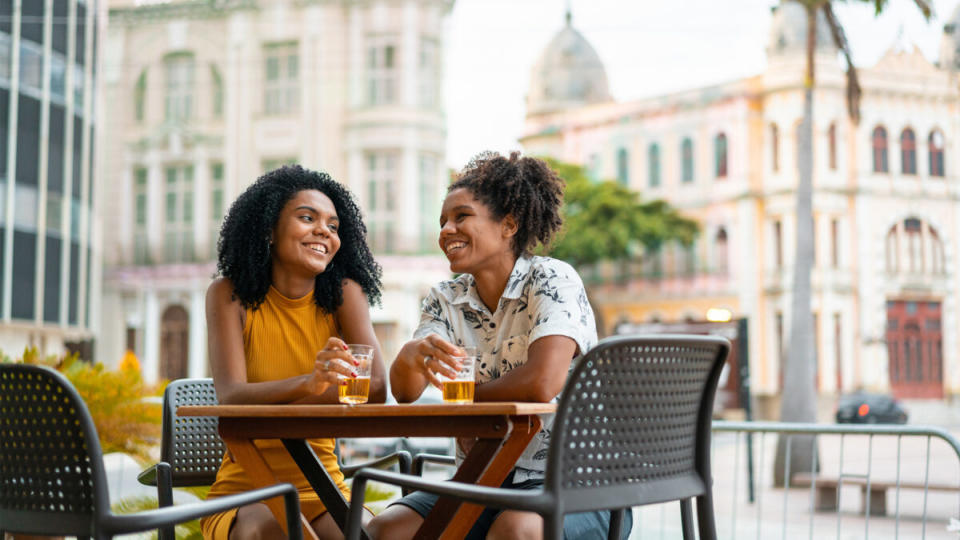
950 42
788 30
568 73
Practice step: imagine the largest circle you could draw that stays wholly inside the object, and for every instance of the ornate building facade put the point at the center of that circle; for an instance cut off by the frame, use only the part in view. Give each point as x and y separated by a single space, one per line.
206 96
49 256
886 204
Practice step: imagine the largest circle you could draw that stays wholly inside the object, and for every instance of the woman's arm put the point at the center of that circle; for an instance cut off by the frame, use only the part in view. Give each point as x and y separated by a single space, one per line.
228 362
409 374
353 321
540 379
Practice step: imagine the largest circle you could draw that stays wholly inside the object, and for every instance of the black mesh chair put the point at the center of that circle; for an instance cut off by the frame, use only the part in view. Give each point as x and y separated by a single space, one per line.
52 478
632 428
191 449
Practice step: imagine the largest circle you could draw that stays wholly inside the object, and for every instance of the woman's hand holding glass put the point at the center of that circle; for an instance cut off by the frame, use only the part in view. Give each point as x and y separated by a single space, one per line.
333 361
432 355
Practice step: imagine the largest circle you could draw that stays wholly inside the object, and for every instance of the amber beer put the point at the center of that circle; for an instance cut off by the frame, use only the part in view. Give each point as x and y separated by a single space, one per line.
354 390
458 391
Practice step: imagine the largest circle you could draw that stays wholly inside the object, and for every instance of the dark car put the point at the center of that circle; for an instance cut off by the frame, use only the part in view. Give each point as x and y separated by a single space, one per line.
865 408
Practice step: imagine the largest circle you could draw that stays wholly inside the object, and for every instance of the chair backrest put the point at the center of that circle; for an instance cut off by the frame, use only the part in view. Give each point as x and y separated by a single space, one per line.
51 467
633 422
191 444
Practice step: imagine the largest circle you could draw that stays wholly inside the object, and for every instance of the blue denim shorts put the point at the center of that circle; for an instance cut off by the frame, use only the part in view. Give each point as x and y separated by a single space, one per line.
582 526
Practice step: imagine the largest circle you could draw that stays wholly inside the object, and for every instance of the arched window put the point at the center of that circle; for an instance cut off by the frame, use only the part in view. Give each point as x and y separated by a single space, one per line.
774 147
914 247
623 167
654 164
936 251
880 150
935 147
686 158
174 342
908 152
832 146
140 97
720 155
721 254
179 87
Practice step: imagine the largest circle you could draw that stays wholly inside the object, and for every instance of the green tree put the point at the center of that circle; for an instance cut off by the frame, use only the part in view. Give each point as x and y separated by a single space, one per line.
800 394
605 221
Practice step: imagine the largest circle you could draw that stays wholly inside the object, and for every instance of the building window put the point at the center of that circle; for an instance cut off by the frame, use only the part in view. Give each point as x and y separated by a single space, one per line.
381 198
654 164
381 71
908 152
217 197
720 155
778 243
31 67
775 147
140 97
935 146
623 167
913 229
880 150
179 102
914 247
936 252
838 349
271 164
178 214
832 147
721 251
140 251
281 71
686 158
429 73
216 84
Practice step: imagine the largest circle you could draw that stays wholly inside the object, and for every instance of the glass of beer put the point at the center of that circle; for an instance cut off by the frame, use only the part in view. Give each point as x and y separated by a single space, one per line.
460 388
354 390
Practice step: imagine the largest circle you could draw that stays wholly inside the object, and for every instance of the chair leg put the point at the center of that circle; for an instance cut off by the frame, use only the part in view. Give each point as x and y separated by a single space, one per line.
405 464
165 497
686 519
616 524
705 517
553 527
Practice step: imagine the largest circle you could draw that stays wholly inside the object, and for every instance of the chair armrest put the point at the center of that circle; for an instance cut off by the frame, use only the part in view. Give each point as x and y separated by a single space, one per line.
401 458
155 519
420 459
148 476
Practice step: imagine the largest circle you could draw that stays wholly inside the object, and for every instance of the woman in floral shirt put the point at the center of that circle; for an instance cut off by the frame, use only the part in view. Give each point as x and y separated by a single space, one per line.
527 316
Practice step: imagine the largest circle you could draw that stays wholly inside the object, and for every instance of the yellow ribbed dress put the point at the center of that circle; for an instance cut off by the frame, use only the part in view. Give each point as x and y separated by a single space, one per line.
280 340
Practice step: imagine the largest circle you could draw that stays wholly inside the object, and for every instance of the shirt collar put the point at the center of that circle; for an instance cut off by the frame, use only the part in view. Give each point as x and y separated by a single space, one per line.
463 289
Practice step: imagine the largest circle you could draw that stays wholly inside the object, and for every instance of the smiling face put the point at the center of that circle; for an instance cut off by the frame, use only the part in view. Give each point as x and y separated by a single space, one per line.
471 238
305 238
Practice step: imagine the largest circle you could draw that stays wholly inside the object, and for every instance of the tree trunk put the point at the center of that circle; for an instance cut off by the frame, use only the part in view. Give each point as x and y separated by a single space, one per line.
799 391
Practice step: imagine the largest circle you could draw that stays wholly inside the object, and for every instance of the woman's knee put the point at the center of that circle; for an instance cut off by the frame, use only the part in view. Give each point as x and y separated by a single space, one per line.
397 522
255 522
513 525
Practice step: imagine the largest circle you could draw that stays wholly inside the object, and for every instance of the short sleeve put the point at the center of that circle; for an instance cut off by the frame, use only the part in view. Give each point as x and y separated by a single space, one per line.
558 305
433 319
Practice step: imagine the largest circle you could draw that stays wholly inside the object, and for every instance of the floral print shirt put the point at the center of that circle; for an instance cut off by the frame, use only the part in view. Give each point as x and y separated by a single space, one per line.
543 297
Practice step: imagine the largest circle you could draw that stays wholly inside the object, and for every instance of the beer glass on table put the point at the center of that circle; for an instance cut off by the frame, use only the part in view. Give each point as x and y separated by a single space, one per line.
354 390
460 388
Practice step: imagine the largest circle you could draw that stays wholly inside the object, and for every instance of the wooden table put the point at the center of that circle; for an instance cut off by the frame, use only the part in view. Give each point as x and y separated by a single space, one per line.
503 430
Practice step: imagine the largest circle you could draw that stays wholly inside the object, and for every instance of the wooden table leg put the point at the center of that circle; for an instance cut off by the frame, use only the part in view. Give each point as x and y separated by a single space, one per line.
485 466
246 454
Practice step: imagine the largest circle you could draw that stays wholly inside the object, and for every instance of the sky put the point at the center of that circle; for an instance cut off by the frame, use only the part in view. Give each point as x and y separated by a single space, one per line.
648 47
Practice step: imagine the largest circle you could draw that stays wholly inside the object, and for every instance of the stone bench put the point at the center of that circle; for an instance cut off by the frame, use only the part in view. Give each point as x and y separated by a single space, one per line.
826 497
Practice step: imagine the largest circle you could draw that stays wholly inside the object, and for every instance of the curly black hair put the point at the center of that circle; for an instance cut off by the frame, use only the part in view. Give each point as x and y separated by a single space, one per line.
243 250
523 187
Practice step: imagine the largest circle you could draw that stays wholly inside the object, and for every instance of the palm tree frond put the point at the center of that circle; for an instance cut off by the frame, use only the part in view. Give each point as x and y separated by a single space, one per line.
925 8
853 83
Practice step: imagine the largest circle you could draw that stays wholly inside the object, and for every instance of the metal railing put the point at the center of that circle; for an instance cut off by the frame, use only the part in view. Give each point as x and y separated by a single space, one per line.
872 459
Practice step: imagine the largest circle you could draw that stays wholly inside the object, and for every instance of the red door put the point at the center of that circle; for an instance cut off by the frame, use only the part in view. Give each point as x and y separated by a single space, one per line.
915 349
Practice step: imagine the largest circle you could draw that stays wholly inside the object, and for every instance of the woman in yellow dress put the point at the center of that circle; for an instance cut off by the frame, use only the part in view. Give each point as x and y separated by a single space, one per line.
296 280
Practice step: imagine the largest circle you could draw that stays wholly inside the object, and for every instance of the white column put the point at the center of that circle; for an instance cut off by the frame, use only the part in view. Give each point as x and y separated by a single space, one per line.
151 337
409 193
155 182
410 54
197 359
356 48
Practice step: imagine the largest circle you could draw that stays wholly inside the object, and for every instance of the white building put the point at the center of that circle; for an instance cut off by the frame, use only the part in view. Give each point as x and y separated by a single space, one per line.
886 204
206 96
49 250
